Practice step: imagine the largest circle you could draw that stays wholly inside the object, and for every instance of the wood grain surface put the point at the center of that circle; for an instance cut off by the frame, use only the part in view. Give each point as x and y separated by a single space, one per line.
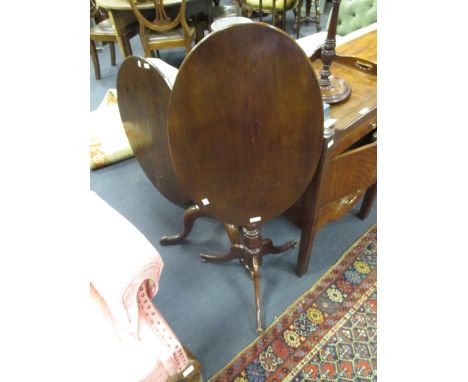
246 123
143 97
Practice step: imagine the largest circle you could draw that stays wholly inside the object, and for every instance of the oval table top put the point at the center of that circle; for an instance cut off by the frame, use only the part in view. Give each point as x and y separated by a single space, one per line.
124 5
143 89
246 123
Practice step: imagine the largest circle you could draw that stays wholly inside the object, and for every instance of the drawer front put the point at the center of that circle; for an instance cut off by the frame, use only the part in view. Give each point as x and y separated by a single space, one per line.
336 209
345 138
348 173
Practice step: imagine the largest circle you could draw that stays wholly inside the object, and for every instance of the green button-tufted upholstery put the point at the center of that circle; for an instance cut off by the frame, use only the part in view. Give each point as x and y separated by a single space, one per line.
355 14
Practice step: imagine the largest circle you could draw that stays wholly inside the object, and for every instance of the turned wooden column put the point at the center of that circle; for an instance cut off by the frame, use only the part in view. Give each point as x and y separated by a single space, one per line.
334 89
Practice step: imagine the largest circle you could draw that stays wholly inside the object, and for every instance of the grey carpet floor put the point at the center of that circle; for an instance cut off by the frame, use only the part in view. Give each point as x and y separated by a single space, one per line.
211 306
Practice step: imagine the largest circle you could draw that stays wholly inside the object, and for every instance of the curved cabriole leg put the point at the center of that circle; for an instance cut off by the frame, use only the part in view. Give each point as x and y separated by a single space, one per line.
236 252
250 254
268 247
190 215
235 238
253 251
233 233
256 278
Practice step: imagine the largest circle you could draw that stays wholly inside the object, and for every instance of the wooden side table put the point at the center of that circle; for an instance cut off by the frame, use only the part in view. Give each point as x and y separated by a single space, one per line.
348 165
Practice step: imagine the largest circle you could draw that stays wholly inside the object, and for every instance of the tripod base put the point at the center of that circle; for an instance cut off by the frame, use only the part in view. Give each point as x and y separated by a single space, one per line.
250 254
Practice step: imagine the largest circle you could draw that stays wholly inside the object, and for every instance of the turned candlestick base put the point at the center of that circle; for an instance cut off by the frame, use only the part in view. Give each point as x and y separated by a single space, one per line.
338 90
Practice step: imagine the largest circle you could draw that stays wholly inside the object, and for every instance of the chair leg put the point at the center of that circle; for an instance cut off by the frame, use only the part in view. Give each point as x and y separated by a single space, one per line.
94 56
188 46
198 32
128 45
298 18
112 53
148 52
317 16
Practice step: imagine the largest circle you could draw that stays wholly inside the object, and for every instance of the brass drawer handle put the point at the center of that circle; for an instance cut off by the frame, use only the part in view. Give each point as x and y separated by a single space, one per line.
364 66
347 201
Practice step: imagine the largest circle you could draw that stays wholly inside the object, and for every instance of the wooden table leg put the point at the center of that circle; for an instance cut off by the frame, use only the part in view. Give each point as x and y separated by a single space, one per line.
190 215
305 248
367 202
311 214
256 277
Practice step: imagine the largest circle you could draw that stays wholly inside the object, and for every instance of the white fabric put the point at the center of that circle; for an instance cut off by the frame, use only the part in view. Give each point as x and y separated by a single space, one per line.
228 21
356 34
312 42
123 347
166 70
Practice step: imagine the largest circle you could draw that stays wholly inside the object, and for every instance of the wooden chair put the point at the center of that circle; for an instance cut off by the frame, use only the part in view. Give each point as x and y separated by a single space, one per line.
277 9
319 5
163 32
246 150
104 31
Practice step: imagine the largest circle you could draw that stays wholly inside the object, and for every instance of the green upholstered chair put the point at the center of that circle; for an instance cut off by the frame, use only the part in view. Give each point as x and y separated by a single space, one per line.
356 17
249 6
355 14
320 8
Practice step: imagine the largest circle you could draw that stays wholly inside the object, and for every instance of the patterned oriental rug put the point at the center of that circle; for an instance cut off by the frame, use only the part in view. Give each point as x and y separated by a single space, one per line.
328 334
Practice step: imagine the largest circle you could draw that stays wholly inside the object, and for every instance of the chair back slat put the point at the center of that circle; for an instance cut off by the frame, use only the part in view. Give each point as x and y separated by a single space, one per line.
160 12
162 22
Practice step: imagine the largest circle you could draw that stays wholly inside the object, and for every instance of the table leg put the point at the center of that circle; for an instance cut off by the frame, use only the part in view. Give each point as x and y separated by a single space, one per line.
119 20
305 247
311 213
309 224
367 202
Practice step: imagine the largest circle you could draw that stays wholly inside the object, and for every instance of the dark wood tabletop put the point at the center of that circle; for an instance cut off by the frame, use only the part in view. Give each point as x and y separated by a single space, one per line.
241 135
143 92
